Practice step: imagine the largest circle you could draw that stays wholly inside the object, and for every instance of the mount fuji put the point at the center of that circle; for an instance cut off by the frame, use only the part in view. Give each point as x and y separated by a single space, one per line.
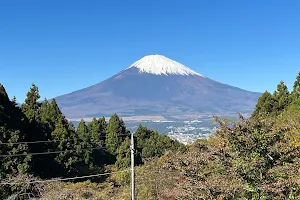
157 86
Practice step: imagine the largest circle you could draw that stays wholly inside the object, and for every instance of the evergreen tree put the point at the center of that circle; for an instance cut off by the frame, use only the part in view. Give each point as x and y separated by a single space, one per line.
68 143
102 126
296 88
31 106
264 105
82 130
40 123
281 97
47 123
97 133
10 132
32 126
141 134
97 130
4 105
85 142
151 144
50 114
123 155
115 134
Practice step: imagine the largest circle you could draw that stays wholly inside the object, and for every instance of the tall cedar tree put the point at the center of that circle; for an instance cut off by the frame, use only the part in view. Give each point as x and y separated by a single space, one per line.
36 129
281 97
296 88
151 144
68 143
10 132
97 133
31 106
56 127
31 109
85 143
264 106
115 134
123 155
97 130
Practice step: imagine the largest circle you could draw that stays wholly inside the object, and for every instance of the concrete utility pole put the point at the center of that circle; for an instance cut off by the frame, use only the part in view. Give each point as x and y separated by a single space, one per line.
132 168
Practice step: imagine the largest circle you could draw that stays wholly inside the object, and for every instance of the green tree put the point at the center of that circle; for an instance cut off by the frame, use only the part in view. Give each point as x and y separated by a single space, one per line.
50 119
264 106
85 142
31 106
50 114
142 134
123 155
97 133
296 89
150 144
115 134
281 97
10 132
31 124
97 130
68 144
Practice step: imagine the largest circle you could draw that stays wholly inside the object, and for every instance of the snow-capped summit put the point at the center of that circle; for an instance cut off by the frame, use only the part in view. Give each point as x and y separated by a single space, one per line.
161 65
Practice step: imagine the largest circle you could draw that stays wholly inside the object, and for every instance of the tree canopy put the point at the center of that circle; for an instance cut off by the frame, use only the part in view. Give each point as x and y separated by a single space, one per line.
40 127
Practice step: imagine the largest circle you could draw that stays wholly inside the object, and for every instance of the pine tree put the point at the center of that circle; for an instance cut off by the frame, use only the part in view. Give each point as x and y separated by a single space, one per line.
141 134
149 144
82 132
123 155
87 143
102 126
10 132
281 97
296 89
97 131
50 114
32 125
37 128
264 105
68 142
48 124
115 133
31 106
4 105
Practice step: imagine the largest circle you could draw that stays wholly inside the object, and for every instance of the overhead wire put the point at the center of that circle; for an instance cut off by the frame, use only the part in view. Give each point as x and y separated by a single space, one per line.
63 179
49 152
48 141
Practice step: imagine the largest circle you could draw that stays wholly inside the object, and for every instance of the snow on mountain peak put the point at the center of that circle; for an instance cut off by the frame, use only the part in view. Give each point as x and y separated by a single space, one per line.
161 65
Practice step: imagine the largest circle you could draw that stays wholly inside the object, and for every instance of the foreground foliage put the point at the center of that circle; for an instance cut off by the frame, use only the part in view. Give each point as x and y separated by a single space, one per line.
256 158
84 150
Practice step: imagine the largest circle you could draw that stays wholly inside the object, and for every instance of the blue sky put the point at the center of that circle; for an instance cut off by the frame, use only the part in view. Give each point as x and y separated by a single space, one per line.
66 45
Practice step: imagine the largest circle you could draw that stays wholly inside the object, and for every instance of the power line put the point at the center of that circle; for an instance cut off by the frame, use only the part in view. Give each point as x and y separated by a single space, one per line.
64 179
49 141
34 142
49 152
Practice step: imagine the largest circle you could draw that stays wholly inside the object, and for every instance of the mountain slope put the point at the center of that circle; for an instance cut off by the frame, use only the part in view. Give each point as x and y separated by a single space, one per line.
156 85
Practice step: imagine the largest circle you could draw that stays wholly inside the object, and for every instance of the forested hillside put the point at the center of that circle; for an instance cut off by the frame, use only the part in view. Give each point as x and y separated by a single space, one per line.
255 158
37 142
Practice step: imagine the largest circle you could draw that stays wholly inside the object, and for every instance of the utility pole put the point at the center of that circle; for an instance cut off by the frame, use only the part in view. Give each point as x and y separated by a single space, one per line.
132 168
